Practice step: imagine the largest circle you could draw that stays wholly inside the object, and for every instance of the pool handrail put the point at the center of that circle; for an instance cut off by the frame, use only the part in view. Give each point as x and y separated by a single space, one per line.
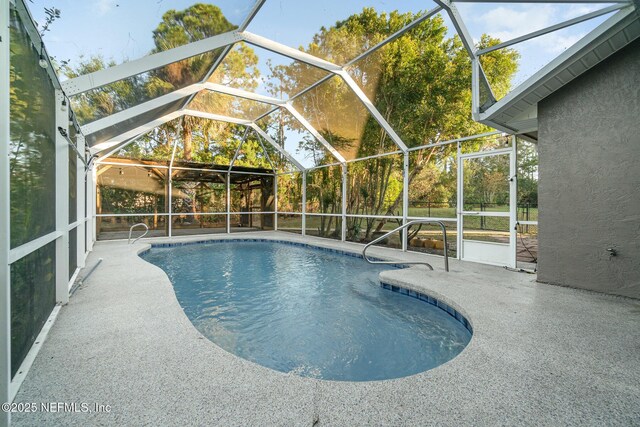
129 242
409 224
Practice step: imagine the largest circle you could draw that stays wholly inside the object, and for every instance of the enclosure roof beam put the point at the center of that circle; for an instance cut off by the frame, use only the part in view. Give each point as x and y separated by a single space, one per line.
254 11
214 87
134 132
113 74
373 110
314 132
217 117
527 92
277 146
289 52
396 35
235 155
368 52
243 26
266 154
191 90
174 96
118 147
136 110
467 42
328 66
543 1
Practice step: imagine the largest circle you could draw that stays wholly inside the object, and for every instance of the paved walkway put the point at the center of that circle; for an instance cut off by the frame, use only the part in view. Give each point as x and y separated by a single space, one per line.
540 355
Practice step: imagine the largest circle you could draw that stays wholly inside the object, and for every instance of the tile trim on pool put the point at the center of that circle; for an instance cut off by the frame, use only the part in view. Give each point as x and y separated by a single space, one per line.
286 242
430 300
394 288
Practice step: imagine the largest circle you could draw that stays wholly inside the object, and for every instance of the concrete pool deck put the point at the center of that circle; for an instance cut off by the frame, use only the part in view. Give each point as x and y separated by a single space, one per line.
540 355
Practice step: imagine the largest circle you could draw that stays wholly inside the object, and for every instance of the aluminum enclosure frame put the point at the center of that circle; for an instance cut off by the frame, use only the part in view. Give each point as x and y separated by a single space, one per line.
5 248
60 235
625 12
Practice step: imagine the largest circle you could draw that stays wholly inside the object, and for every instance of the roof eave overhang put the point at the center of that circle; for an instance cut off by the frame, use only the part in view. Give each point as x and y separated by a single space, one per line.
517 112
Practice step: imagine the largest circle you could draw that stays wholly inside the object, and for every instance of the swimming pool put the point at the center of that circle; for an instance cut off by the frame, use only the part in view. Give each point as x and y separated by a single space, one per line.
308 311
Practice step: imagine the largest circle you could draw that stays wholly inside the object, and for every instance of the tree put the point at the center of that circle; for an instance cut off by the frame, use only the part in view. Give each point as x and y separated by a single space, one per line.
105 100
176 29
199 139
420 83
527 173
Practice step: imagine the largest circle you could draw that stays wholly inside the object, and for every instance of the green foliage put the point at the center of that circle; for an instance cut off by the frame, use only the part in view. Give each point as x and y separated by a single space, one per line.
420 83
497 64
197 22
196 137
527 174
106 100
486 181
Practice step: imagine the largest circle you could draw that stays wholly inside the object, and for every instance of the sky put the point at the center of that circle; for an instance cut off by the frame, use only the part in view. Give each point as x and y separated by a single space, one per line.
122 29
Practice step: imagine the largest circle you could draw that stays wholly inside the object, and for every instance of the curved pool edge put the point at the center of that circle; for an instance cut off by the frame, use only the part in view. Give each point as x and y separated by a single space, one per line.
429 297
142 248
402 287
396 264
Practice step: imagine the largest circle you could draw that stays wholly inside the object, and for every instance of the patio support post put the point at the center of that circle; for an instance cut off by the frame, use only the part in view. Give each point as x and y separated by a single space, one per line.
475 87
405 199
170 184
513 202
344 201
459 202
92 206
228 202
88 208
275 201
5 276
80 202
304 202
62 198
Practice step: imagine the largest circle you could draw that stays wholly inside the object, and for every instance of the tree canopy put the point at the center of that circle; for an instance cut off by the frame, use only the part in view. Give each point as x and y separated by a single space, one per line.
420 83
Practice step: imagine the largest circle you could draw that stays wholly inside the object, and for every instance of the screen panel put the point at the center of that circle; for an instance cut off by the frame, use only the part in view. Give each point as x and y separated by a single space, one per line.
33 296
289 133
264 72
332 31
123 189
32 140
335 111
132 123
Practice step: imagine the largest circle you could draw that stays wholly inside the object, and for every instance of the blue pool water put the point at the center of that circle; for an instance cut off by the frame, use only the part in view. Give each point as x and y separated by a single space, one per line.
307 311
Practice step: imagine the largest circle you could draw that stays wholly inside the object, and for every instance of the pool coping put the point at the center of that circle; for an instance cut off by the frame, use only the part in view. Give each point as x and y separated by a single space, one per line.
539 354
